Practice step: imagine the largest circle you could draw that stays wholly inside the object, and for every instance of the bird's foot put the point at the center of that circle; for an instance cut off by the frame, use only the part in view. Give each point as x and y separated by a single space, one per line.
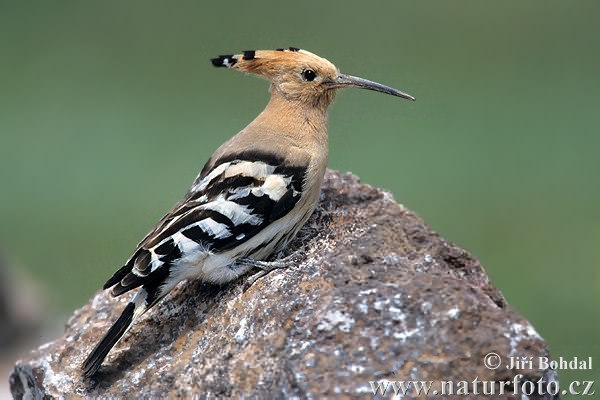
265 267
252 279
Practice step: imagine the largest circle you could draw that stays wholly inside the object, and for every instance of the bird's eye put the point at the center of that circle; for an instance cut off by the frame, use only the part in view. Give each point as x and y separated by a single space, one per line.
309 75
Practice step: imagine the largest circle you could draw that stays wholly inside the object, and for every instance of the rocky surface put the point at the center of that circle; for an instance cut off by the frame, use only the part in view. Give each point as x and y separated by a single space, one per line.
375 296
22 308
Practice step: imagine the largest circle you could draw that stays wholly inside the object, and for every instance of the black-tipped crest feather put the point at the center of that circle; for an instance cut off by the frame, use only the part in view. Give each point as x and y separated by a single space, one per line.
249 54
224 61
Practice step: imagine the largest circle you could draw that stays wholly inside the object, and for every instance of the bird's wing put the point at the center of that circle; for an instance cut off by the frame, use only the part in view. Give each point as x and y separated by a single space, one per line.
231 200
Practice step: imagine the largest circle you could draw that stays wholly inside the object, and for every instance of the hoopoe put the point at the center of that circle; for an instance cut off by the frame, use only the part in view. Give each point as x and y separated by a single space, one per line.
251 197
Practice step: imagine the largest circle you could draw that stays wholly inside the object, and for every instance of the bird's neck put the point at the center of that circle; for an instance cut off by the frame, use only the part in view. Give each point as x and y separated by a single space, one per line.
292 117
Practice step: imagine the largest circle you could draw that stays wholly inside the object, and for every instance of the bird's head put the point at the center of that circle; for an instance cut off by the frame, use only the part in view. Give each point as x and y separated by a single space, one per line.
299 75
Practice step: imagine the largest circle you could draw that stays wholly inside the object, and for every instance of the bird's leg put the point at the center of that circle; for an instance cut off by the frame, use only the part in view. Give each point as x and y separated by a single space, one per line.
252 279
265 266
268 266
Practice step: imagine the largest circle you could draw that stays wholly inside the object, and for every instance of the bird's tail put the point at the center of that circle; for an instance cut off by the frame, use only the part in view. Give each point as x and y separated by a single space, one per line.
133 310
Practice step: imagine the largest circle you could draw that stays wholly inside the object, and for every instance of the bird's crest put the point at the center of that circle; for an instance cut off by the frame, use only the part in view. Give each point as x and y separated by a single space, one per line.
296 74
299 74
270 63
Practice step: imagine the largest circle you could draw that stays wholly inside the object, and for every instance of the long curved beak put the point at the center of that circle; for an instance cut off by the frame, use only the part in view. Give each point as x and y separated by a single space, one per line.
343 81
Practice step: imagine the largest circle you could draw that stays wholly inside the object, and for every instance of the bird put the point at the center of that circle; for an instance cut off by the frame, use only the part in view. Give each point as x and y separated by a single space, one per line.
252 195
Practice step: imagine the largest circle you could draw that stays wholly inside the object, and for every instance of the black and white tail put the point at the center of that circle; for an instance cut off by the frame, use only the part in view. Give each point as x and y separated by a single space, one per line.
132 312
114 334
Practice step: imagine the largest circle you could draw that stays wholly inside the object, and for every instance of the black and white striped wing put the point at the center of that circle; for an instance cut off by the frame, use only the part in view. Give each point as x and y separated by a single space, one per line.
229 203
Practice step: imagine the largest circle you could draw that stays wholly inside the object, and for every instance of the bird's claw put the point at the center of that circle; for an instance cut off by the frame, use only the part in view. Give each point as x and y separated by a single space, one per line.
265 268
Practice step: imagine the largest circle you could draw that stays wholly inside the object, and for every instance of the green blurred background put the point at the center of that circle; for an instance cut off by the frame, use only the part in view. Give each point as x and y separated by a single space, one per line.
109 109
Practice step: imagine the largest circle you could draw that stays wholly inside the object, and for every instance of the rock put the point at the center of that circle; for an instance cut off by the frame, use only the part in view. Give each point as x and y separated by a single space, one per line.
375 296
22 307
